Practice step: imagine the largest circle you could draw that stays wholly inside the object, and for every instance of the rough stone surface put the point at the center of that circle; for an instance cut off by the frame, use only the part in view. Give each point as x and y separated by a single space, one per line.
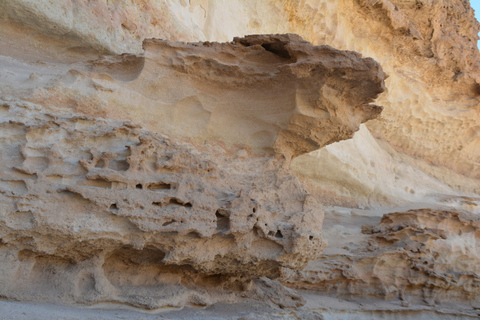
263 92
129 175
97 210
421 255
114 212
266 91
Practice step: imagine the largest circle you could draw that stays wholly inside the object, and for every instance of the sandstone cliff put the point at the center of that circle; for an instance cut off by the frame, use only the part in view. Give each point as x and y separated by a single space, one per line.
142 170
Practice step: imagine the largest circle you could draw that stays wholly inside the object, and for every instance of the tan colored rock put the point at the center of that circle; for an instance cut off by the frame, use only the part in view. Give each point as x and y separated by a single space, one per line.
427 47
421 154
263 92
100 199
259 88
106 203
115 26
420 256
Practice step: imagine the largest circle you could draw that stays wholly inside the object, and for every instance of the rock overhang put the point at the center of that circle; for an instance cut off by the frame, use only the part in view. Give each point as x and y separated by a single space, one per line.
118 197
271 92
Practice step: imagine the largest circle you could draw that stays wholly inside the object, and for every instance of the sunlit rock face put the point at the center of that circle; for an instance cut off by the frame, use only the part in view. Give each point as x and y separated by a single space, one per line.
98 210
146 159
263 91
119 210
428 49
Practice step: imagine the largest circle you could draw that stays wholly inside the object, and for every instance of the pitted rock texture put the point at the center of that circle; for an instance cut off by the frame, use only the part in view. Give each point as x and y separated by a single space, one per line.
423 148
432 110
264 92
267 90
106 202
105 210
419 256
428 48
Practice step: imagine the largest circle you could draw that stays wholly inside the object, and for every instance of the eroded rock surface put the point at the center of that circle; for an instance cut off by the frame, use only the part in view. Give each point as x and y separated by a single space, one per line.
94 209
268 90
421 154
418 256
120 212
103 210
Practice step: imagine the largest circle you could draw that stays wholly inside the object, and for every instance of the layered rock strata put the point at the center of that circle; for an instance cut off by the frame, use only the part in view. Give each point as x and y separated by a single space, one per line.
102 210
421 153
417 256
427 47
265 92
95 210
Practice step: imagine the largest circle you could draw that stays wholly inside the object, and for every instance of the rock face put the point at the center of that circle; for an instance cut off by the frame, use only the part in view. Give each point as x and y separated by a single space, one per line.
114 212
264 92
159 173
422 255
103 203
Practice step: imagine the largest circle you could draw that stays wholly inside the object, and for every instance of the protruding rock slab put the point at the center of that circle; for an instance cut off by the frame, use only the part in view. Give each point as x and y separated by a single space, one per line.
106 210
267 90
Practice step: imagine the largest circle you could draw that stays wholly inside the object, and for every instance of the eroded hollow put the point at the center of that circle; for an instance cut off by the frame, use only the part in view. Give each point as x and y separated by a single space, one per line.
223 222
278 49
143 274
167 223
119 165
96 183
172 202
129 266
159 186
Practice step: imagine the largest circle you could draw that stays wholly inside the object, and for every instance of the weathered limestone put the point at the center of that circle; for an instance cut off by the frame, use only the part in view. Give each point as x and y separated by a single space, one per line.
132 175
115 212
263 91
418 256
89 205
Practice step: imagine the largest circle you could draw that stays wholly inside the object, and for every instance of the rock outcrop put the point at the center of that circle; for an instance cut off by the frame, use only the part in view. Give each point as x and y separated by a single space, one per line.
418 256
262 91
158 173
102 210
98 210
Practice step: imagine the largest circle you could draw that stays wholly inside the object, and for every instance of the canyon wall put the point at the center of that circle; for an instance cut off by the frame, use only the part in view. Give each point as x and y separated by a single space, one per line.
337 152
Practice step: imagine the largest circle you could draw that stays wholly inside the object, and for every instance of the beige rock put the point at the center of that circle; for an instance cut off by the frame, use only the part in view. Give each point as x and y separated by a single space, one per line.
128 215
421 154
263 91
104 204
422 256
428 48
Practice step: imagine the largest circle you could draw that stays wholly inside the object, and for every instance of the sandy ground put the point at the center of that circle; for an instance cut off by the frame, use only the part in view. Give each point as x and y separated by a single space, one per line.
10 310
318 307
